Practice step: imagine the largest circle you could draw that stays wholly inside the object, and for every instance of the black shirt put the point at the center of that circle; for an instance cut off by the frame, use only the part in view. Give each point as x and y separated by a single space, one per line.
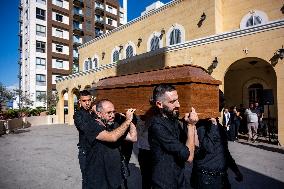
213 153
169 153
82 118
103 159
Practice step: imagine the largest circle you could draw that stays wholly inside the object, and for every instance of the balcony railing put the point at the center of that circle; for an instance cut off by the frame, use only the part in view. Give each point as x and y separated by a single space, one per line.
99 19
99 6
77 12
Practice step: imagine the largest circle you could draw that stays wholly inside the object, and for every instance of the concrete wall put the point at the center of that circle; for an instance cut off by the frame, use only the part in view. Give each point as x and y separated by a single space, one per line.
41 120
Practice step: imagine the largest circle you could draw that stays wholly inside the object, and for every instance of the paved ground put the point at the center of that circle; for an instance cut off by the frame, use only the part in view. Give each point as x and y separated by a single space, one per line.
46 157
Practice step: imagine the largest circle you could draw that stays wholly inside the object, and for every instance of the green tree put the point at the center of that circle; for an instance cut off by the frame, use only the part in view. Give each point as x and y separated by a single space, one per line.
24 101
5 95
50 100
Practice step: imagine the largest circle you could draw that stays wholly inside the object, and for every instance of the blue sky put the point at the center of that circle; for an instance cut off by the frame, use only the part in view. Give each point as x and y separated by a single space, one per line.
9 36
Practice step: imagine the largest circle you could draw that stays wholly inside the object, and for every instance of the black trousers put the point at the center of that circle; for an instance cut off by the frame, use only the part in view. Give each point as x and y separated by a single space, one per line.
144 158
82 163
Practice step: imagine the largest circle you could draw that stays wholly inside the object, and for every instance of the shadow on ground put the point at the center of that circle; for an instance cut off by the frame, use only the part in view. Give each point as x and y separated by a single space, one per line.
263 147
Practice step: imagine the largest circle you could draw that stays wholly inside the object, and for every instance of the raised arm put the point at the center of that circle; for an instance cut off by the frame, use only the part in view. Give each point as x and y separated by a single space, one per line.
132 134
113 136
191 120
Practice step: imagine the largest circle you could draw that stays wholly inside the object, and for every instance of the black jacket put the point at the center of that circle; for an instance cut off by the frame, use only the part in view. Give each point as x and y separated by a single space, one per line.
167 140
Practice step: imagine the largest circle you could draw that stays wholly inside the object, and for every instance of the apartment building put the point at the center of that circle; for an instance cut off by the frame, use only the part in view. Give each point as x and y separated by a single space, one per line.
50 32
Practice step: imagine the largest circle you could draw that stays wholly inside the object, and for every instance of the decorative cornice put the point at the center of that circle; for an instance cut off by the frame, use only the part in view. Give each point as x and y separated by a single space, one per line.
138 19
228 35
188 44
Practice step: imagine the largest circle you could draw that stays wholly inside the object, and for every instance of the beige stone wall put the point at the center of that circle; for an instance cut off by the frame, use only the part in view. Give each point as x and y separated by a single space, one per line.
186 13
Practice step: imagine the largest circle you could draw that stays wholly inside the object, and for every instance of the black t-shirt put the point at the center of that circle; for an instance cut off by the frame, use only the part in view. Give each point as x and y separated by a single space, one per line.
82 118
103 159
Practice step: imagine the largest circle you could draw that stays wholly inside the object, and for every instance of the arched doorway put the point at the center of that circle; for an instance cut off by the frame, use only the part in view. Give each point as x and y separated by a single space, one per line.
246 80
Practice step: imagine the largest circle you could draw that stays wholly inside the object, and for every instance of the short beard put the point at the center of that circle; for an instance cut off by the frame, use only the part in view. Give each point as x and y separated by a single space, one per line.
107 123
170 114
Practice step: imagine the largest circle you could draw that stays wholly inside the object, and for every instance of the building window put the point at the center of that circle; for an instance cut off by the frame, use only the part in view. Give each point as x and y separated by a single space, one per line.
254 17
154 44
86 65
95 62
76 25
59 48
40 63
40 30
59 17
40 96
59 3
90 65
59 64
109 9
129 51
27 14
41 1
58 77
175 37
109 21
76 39
88 12
40 79
40 14
89 26
59 33
40 46
115 56
253 20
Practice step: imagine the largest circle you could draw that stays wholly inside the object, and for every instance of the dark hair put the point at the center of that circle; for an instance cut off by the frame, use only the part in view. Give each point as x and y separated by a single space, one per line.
84 93
99 104
160 90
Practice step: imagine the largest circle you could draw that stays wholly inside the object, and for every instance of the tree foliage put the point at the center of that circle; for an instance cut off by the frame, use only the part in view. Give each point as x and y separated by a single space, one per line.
5 94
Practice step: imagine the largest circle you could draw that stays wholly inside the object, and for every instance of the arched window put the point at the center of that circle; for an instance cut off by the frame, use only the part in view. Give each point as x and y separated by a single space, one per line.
154 44
175 37
95 62
129 51
115 56
175 34
86 65
90 64
253 18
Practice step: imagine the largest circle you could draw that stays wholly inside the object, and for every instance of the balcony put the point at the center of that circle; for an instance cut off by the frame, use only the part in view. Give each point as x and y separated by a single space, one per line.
78 30
99 6
78 15
75 60
20 6
99 33
78 3
99 19
77 41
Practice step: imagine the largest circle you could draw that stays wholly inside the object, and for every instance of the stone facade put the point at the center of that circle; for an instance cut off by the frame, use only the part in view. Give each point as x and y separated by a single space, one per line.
223 33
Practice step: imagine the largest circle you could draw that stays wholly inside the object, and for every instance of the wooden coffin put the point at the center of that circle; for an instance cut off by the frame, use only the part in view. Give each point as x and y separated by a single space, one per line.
195 88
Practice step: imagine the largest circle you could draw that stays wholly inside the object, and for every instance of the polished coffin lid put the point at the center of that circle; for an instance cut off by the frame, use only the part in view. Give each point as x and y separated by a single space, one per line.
195 88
